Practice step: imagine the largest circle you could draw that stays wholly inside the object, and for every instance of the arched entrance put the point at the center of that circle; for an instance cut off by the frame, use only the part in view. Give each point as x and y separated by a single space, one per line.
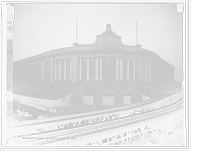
108 97
87 96
128 96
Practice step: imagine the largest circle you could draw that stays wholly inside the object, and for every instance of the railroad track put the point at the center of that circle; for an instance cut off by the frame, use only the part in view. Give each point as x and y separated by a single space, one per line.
87 118
71 134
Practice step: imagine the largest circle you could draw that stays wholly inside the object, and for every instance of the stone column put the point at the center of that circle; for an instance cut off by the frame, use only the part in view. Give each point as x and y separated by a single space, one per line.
88 69
55 78
42 78
96 69
70 74
59 70
65 69
149 70
145 64
142 70
117 69
80 69
152 72
121 69
100 69
134 69
127 69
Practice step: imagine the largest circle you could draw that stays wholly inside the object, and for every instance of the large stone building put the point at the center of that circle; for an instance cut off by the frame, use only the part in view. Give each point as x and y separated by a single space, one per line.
105 73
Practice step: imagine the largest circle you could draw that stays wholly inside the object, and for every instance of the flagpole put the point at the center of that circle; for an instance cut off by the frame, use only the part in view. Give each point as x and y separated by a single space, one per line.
136 31
76 30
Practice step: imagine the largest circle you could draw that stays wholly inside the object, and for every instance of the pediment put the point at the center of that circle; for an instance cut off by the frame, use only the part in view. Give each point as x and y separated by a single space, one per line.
108 37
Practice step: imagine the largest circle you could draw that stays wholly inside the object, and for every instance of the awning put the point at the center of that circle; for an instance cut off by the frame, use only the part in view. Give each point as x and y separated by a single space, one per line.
41 94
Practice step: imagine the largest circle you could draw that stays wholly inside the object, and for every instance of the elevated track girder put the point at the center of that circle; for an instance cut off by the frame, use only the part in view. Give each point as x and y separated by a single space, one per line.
88 118
127 130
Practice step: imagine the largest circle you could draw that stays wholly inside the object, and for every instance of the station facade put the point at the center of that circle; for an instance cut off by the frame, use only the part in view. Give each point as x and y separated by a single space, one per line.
104 73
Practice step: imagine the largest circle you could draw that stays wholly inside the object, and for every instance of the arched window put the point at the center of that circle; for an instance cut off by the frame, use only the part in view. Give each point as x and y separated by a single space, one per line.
128 92
109 91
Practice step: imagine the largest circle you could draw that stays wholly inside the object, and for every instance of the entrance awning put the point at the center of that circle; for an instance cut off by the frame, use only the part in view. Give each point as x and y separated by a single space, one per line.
41 94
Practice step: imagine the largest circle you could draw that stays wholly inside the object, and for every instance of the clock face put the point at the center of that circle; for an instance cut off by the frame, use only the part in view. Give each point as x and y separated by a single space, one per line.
109 39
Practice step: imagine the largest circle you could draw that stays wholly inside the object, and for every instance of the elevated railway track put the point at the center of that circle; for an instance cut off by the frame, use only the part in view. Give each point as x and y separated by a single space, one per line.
122 129
53 123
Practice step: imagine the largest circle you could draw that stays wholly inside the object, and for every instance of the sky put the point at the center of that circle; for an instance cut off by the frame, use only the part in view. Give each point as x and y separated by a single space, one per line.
42 27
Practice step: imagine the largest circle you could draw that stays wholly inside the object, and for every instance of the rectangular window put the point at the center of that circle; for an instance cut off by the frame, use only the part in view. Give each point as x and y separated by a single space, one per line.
84 61
107 70
85 70
112 69
92 70
107 61
92 61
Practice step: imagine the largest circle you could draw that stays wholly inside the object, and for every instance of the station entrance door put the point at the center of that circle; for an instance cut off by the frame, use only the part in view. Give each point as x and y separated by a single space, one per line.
128 94
109 97
87 96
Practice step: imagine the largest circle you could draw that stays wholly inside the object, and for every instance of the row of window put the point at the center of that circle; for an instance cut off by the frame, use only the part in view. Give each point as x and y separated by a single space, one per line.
28 67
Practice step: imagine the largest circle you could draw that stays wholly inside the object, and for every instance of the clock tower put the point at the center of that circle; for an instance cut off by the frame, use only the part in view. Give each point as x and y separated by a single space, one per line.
108 37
